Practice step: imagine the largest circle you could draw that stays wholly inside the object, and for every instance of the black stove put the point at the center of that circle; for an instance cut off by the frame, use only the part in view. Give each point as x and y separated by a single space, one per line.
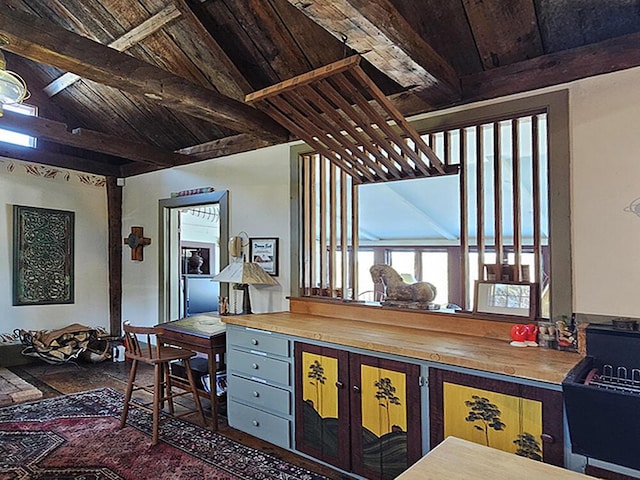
602 397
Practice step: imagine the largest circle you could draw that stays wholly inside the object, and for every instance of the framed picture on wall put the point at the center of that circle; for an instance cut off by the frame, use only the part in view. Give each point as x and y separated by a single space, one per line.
264 252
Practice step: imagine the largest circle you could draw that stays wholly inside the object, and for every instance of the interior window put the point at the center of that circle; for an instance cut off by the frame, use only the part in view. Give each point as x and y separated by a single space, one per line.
489 210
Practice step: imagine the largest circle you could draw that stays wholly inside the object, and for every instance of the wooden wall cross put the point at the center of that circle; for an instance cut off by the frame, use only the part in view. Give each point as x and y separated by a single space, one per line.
136 241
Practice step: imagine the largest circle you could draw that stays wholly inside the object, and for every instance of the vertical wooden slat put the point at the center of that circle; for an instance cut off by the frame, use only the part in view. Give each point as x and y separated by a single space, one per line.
344 232
515 185
305 161
447 147
464 220
322 234
497 194
354 241
480 200
535 190
333 234
313 196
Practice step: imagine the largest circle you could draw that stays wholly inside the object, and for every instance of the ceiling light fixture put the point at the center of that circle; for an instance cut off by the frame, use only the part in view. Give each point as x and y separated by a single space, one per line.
13 88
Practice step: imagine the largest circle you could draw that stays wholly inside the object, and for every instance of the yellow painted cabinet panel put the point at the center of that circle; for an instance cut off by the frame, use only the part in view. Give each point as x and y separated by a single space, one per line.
515 418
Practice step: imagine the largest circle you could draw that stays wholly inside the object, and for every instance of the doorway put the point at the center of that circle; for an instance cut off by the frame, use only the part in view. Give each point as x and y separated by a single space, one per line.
192 228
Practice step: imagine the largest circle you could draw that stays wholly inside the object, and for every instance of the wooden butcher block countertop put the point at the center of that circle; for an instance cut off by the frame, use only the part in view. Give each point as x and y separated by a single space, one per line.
445 338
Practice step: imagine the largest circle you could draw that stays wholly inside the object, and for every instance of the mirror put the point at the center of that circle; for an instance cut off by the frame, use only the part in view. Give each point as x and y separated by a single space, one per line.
505 298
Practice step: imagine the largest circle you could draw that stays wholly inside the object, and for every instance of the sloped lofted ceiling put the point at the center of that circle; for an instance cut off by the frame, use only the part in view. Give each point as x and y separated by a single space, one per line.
163 82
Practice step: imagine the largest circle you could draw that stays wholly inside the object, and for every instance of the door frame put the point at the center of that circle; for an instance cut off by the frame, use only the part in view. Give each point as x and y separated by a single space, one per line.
167 226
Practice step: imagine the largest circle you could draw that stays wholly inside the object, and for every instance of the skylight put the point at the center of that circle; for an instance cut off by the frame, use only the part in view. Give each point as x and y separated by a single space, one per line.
19 138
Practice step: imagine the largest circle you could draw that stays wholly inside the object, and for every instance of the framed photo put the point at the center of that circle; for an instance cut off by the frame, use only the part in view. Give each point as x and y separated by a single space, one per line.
264 252
42 256
506 298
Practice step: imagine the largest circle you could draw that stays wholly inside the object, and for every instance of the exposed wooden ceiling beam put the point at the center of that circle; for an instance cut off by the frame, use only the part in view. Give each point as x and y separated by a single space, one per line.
41 41
58 132
44 157
126 41
555 68
222 147
376 30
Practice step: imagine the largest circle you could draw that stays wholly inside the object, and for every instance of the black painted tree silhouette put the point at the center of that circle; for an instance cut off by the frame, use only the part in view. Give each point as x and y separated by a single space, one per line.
486 413
528 446
316 374
386 396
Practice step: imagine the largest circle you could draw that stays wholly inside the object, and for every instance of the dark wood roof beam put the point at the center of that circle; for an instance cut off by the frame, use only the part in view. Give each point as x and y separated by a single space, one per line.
224 146
44 42
376 30
555 68
44 157
57 132
132 37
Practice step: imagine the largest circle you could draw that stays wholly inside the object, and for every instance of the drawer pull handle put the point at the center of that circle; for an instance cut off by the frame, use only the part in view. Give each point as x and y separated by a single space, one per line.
256 394
254 366
256 423
356 388
254 341
339 384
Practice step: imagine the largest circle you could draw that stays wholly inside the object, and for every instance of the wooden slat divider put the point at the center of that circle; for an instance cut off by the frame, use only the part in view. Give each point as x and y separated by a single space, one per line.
364 122
309 97
354 242
316 121
322 234
333 234
515 180
313 221
307 166
328 143
392 135
397 117
337 116
464 219
344 233
497 194
318 146
480 199
535 190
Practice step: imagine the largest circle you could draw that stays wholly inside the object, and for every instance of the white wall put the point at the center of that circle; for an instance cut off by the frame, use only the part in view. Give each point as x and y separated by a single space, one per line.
62 191
258 185
606 179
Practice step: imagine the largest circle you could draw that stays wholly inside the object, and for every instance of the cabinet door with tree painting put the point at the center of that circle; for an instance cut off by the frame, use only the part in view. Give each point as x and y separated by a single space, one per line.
521 419
357 412
322 403
385 409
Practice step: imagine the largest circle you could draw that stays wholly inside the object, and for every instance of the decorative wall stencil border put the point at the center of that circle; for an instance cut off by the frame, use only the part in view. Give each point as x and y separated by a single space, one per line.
10 166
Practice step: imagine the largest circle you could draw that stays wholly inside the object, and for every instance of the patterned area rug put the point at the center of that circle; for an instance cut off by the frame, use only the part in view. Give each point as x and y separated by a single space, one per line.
78 437
14 389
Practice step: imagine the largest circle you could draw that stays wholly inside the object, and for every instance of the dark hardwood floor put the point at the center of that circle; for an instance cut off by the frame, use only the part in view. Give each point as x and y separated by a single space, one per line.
54 380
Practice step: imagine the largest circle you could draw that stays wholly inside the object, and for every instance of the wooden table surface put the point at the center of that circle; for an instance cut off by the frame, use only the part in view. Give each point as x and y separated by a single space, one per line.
457 459
453 347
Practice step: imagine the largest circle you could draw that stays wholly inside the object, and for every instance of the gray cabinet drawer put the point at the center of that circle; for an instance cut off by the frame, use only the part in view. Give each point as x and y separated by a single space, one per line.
260 424
259 366
260 395
259 341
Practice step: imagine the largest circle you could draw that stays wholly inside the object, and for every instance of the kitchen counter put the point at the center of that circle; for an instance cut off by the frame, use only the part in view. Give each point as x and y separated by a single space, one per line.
457 459
444 338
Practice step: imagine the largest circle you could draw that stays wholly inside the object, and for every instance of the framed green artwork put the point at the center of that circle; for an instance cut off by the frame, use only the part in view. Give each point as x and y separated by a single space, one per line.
42 256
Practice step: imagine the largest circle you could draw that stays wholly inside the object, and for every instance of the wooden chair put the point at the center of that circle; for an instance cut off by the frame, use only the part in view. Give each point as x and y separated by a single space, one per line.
153 353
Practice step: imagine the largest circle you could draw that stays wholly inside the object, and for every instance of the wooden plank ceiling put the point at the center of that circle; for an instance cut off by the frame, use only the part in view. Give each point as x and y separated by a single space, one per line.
129 86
